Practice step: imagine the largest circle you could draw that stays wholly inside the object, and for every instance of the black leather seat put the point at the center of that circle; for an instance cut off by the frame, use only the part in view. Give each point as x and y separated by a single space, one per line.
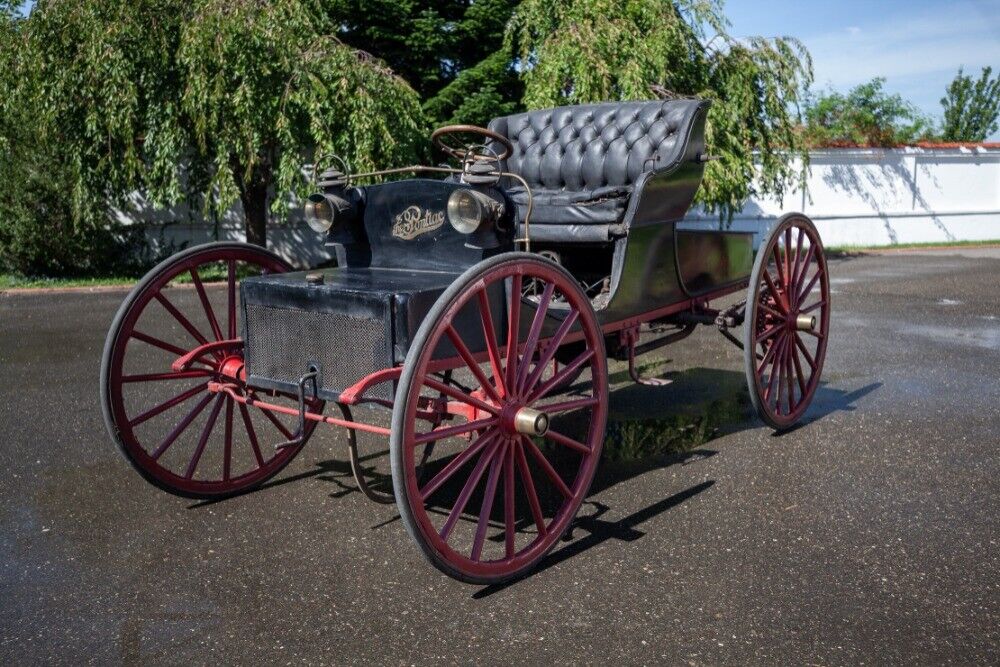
582 162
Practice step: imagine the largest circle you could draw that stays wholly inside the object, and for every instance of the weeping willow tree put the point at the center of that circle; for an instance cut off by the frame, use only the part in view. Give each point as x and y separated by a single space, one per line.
212 100
574 51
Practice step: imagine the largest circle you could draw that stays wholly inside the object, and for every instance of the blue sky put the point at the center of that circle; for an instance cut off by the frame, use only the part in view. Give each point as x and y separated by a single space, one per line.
917 45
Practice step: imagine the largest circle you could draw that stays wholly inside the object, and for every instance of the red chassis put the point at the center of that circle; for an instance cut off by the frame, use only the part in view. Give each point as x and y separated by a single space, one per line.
473 407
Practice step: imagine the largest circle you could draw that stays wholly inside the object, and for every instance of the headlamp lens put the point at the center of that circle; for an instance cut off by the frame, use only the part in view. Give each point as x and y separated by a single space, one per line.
465 213
319 213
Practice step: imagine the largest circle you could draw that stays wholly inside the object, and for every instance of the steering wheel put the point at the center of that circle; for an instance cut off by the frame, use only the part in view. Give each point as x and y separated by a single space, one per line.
461 152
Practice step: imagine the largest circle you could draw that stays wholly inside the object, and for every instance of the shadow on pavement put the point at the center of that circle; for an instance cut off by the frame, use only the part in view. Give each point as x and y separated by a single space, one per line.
599 531
649 428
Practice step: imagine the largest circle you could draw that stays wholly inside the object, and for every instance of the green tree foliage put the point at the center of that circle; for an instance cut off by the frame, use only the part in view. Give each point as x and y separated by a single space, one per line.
450 51
575 51
216 99
971 107
866 116
39 234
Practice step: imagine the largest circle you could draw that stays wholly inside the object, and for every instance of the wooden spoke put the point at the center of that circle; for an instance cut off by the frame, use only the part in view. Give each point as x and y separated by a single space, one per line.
771 311
565 406
277 423
489 334
550 350
166 405
775 294
787 256
788 378
159 377
457 462
513 329
156 342
770 332
798 252
798 371
547 468
470 485
531 345
560 377
768 356
508 500
809 309
452 431
805 292
488 496
797 286
448 390
181 427
566 441
529 488
179 316
778 266
209 313
471 363
780 343
251 435
805 353
205 432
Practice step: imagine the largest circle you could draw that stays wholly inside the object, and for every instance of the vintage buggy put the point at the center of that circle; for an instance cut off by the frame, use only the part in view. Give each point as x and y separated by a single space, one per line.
470 315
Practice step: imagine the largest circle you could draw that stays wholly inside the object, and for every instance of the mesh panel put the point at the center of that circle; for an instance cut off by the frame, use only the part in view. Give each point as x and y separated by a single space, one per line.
282 342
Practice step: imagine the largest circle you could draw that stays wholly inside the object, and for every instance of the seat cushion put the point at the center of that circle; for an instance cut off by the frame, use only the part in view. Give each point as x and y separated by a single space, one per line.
589 207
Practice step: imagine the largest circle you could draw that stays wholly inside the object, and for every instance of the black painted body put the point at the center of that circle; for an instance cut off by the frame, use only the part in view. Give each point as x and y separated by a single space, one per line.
392 282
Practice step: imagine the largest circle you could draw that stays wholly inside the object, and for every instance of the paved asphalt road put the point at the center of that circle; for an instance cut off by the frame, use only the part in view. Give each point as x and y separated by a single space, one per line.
867 536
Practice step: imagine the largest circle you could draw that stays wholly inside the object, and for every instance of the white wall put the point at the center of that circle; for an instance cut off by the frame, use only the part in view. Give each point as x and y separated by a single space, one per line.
876 197
867 197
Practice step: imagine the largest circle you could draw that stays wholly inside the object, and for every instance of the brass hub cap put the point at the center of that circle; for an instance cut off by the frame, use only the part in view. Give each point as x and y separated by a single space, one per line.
530 421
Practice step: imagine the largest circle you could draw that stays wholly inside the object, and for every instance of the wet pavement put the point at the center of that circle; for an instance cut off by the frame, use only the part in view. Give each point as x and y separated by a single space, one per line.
869 535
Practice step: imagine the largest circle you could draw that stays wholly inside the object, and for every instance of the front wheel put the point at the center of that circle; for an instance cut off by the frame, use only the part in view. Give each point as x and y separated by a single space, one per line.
175 433
787 322
522 428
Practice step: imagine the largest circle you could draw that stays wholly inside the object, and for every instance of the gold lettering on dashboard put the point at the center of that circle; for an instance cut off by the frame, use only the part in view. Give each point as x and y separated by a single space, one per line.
415 221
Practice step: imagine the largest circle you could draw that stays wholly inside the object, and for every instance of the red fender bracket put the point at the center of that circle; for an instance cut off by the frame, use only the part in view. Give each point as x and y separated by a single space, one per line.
184 363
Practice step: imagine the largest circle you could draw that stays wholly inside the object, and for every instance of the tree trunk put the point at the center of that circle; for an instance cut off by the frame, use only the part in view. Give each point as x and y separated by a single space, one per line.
255 209
253 188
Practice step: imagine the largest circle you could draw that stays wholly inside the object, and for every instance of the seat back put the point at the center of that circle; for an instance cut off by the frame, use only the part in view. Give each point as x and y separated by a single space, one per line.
592 147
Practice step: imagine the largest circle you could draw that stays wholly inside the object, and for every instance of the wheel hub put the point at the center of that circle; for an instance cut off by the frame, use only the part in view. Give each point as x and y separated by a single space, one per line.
531 422
516 418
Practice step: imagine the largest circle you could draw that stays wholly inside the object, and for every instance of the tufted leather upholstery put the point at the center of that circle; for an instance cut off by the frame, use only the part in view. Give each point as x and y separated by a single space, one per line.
583 161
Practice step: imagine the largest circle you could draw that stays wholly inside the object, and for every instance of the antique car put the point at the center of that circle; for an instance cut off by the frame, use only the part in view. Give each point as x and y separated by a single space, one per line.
470 314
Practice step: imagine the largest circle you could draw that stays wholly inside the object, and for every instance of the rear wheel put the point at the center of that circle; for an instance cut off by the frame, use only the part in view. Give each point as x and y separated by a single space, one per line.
178 435
519 430
787 321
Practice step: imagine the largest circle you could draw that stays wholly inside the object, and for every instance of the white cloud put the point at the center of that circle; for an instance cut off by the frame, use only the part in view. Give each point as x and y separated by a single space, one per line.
928 42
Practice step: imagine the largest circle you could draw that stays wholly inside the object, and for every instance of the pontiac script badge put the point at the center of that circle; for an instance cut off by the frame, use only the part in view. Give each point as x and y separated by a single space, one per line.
415 221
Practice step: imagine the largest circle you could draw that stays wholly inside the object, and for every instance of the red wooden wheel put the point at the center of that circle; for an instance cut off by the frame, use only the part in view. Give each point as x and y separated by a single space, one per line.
510 473
787 321
177 434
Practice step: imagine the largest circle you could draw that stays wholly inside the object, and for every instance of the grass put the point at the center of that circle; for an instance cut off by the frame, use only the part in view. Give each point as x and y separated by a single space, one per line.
852 249
208 274
12 281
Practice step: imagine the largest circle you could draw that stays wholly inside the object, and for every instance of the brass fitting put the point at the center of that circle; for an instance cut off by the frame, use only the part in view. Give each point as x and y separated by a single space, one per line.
531 422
